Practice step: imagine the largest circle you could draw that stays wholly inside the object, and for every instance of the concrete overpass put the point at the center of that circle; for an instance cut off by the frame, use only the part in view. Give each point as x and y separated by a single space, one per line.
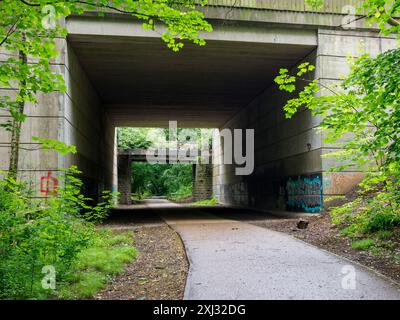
201 173
142 155
120 75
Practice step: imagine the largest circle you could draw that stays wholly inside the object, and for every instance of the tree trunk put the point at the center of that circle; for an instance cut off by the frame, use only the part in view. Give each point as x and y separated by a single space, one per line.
16 130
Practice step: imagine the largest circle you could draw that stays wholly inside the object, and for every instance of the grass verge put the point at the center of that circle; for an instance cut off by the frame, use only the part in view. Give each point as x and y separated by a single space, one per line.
96 265
209 202
363 244
381 243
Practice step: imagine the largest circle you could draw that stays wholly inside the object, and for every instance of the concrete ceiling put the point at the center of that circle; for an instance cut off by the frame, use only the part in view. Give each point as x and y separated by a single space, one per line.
143 83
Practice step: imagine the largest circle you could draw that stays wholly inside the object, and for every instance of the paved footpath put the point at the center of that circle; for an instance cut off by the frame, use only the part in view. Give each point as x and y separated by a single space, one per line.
235 260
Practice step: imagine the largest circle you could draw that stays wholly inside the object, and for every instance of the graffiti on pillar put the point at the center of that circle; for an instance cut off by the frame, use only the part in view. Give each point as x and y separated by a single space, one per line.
48 184
304 193
236 193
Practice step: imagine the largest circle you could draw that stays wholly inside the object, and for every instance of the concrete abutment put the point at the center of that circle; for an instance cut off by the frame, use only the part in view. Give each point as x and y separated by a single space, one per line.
290 170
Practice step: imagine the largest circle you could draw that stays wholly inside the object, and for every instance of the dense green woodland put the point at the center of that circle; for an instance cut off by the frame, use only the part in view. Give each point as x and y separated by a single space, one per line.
50 248
172 180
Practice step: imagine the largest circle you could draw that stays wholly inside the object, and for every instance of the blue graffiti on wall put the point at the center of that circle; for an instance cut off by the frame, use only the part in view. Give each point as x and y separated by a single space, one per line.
304 193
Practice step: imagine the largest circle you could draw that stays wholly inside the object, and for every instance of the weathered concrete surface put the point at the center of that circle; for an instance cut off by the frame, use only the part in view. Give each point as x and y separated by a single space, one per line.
124 180
236 260
288 151
143 83
202 182
329 6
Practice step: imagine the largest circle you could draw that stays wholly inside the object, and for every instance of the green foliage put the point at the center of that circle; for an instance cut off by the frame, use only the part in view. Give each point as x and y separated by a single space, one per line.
84 285
55 145
105 260
384 235
363 244
361 116
385 13
144 138
367 106
376 211
34 235
377 208
37 233
174 180
177 179
97 263
134 138
183 192
41 17
287 83
140 194
373 84
209 202
70 198
315 4
108 254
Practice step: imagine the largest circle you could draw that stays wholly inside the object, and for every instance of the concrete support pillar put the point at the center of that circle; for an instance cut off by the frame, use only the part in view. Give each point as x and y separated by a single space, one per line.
334 47
124 180
193 176
202 182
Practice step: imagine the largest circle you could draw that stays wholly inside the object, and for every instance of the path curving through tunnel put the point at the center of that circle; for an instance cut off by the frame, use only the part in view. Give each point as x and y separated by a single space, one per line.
232 259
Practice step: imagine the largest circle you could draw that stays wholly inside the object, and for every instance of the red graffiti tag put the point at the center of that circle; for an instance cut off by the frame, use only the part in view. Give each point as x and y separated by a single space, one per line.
48 184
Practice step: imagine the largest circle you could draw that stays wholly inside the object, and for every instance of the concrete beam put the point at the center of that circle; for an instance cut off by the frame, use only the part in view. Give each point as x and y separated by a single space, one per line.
124 27
140 155
142 83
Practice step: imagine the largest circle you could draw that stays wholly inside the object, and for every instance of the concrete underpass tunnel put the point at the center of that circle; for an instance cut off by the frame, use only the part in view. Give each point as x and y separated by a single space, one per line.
134 80
164 162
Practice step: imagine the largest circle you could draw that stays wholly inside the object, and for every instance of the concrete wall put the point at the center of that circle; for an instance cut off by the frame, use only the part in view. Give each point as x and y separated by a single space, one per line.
109 153
330 6
87 127
74 117
44 119
283 148
289 171
125 179
333 49
202 181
